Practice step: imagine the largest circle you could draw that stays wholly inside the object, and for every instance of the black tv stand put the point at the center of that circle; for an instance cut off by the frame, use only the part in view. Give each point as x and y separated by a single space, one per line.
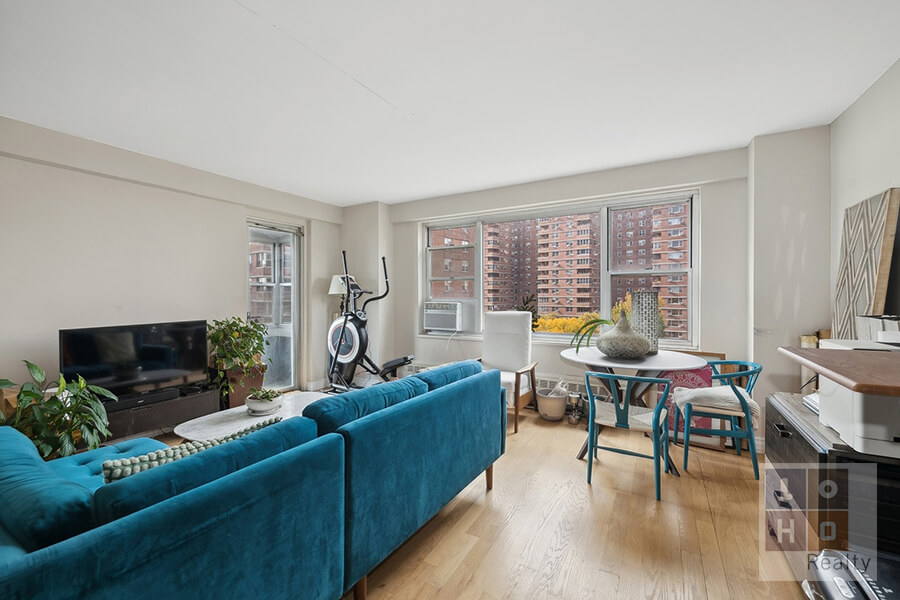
159 410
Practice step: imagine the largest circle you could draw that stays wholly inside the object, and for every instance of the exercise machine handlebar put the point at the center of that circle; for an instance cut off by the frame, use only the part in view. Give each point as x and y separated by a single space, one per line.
387 285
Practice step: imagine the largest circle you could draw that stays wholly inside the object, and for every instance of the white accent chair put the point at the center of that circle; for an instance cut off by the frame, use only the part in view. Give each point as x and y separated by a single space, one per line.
507 347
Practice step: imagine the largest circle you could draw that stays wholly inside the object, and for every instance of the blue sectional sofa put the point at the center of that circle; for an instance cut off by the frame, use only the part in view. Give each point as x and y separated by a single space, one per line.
411 446
304 508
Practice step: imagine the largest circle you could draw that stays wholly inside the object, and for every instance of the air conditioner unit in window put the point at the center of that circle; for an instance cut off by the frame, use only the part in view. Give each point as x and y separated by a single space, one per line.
443 316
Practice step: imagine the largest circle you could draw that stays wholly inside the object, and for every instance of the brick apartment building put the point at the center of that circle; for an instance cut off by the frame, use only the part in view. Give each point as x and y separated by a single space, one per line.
644 243
456 261
269 274
569 264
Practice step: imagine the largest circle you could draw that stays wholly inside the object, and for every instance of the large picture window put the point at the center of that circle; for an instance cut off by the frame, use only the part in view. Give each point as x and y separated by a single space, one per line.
575 265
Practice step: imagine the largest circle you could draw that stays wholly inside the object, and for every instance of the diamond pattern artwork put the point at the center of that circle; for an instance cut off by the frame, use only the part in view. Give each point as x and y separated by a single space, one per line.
867 242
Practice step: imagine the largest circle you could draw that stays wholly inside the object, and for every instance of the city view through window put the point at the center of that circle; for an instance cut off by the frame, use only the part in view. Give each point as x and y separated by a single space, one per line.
558 261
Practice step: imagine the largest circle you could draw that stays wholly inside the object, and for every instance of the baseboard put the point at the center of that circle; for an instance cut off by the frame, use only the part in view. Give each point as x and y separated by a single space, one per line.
318 384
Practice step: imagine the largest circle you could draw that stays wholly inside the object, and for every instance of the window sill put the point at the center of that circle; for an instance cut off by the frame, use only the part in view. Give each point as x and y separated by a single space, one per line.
561 341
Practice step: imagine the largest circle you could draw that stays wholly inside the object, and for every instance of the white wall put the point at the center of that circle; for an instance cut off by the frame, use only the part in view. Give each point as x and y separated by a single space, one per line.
94 235
865 155
721 179
366 237
789 243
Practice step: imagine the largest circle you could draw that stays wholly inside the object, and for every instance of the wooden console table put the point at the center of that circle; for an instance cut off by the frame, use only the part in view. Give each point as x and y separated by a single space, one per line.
864 371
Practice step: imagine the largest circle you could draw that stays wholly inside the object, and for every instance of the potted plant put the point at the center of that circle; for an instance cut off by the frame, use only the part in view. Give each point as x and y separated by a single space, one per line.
57 423
236 349
587 330
264 401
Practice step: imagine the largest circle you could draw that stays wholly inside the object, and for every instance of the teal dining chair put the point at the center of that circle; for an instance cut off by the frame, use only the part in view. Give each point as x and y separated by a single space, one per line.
725 400
620 413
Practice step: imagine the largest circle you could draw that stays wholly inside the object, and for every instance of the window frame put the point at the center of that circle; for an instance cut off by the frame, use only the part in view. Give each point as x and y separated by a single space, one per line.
603 206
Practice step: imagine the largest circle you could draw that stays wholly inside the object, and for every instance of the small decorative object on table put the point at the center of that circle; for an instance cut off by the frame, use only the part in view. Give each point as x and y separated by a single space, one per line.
645 318
622 341
264 401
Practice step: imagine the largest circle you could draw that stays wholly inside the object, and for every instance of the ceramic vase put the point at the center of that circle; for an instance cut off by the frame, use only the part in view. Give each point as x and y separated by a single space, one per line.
622 341
645 316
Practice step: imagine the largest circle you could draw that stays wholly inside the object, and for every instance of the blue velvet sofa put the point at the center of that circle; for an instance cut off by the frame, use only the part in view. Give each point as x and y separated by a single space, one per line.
304 508
411 446
257 517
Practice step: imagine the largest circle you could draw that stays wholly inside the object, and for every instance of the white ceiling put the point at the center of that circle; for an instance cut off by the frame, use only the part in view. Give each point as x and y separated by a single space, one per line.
351 101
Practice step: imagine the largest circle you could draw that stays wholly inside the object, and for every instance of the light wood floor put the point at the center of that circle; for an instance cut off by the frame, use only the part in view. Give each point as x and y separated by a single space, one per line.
543 532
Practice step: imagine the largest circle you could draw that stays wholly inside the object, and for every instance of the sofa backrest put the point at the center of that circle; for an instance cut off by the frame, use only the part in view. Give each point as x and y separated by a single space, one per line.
444 374
125 496
271 530
335 411
39 508
404 463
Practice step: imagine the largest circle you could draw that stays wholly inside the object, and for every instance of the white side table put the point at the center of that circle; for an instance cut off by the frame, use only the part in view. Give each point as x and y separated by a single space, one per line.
226 422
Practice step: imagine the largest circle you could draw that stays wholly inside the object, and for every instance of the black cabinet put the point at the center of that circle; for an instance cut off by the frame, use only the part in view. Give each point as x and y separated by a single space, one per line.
811 464
162 415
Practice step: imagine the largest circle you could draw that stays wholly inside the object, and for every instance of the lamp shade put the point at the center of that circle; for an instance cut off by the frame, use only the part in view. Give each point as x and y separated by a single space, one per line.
337 285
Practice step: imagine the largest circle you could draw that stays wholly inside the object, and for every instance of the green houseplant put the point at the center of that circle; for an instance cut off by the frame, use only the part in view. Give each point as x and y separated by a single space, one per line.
236 348
58 423
264 401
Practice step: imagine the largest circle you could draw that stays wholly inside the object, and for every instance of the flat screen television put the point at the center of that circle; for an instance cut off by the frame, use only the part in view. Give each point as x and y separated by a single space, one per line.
137 360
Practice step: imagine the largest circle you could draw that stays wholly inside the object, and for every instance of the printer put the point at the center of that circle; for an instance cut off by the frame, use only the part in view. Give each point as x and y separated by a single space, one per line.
869 423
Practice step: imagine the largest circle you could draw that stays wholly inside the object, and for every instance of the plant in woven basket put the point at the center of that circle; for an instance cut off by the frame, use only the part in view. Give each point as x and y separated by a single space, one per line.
235 345
57 423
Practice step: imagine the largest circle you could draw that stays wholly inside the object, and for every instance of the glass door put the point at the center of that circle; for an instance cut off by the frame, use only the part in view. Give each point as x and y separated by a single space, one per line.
273 298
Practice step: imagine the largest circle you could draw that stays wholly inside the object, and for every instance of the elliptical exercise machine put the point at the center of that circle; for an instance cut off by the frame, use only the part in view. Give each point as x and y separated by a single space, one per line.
348 340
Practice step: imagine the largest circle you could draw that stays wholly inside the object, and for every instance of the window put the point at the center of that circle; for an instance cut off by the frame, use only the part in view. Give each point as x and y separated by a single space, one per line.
272 298
608 257
451 251
676 264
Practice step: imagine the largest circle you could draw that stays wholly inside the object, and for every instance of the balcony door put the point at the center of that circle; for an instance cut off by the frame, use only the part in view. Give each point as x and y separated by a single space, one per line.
274 298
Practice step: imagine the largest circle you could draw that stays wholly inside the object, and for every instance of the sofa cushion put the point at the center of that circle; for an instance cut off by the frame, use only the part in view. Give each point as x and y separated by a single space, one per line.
441 376
9 547
86 468
39 508
334 411
144 489
120 468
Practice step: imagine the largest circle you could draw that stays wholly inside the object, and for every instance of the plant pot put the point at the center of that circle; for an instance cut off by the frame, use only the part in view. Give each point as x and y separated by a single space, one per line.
263 407
241 384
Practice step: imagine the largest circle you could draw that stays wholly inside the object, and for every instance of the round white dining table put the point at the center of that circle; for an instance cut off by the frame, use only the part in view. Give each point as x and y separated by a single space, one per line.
653 365
647 366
